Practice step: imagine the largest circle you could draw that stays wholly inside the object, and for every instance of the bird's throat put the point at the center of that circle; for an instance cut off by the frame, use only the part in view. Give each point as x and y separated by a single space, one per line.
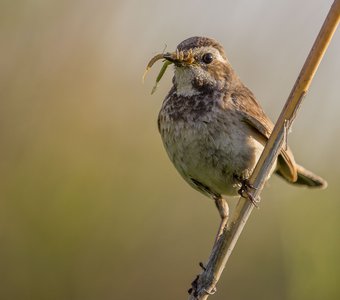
184 79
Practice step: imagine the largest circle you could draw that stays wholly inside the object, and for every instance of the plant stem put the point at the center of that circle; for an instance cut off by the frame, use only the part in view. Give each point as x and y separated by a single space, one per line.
207 280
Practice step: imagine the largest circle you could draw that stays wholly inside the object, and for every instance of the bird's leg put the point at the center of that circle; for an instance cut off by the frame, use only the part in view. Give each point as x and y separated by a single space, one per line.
223 209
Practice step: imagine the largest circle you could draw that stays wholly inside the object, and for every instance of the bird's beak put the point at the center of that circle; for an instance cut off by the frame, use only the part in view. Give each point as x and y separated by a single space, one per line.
180 58
169 57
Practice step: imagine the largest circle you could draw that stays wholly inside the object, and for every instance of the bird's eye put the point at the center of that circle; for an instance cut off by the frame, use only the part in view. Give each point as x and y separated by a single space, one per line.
207 58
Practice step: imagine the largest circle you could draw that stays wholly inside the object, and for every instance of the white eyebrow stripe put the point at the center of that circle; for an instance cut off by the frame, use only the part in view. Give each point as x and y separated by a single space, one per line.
212 50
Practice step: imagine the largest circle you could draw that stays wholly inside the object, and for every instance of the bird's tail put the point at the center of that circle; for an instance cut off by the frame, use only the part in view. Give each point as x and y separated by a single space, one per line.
306 178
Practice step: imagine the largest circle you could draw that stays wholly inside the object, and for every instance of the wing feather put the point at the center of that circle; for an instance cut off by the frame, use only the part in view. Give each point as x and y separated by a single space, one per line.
245 102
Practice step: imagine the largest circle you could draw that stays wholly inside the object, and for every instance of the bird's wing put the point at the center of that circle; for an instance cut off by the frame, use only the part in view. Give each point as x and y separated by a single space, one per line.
245 102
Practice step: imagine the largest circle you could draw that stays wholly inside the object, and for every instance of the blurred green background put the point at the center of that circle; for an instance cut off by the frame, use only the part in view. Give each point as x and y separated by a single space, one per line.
91 207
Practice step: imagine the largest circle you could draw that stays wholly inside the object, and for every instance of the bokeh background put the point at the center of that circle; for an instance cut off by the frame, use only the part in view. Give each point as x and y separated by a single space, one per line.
90 206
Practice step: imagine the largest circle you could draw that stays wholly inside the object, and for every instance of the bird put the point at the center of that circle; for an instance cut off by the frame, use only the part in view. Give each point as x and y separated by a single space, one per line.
213 128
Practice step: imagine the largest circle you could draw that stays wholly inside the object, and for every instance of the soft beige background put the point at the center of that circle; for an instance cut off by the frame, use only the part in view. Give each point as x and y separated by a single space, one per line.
90 206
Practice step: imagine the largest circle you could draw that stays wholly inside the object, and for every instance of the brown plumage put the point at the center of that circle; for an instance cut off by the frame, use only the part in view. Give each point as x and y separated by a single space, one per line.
212 127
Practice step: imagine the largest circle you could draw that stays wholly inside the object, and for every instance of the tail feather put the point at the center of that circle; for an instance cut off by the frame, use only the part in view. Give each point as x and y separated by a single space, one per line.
306 178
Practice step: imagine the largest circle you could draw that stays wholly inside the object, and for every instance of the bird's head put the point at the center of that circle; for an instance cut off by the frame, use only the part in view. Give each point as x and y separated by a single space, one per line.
201 66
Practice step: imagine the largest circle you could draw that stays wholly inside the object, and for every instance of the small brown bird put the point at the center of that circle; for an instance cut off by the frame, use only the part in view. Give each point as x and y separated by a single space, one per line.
212 127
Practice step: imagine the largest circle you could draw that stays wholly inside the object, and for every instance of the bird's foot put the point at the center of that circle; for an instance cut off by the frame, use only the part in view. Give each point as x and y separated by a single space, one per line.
245 191
193 289
194 285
